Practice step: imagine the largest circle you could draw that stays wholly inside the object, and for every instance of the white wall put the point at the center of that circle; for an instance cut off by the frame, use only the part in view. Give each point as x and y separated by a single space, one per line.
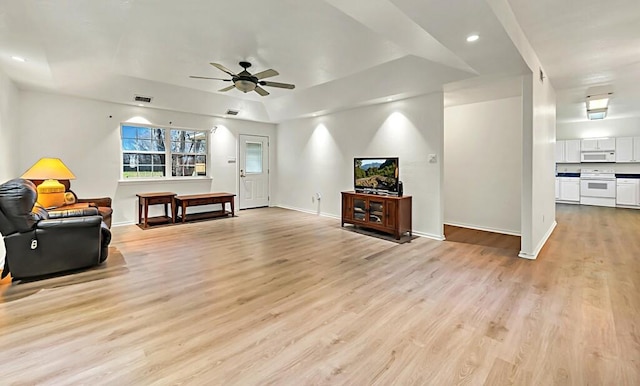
538 140
316 155
85 134
9 104
538 185
483 165
622 127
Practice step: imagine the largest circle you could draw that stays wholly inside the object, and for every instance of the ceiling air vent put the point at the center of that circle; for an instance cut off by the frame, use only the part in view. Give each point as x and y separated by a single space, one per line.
141 98
232 112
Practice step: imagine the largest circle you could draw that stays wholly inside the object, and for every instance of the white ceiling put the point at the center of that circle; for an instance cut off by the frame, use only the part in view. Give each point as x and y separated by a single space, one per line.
583 45
339 53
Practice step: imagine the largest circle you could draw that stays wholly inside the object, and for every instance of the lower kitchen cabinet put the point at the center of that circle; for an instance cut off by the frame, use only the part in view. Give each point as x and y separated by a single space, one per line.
568 189
628 192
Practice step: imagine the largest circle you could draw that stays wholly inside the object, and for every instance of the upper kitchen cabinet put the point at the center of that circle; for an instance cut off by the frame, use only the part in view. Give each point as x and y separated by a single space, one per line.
598 144
628 149
572 150
568 151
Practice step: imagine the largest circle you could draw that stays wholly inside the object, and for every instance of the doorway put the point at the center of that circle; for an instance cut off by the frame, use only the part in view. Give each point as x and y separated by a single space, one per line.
254 171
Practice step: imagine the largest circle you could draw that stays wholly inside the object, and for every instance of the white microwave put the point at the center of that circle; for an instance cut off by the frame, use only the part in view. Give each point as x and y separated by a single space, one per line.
598 156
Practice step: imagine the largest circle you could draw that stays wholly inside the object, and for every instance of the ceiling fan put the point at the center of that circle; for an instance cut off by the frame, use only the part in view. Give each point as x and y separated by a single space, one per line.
245 81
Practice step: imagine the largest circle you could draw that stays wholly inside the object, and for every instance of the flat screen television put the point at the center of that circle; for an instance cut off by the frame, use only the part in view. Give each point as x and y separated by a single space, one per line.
376 175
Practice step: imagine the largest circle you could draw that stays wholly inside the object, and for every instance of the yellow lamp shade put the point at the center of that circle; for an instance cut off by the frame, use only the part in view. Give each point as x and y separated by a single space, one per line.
50 192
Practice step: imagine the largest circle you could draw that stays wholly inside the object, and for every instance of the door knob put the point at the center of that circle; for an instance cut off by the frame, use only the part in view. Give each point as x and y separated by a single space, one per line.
242 173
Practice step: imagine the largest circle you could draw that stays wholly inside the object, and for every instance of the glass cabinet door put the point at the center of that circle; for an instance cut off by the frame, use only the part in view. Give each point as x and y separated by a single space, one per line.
376 211
359 209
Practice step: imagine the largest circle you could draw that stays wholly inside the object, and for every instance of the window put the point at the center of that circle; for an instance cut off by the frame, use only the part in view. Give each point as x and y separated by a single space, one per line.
145 152
254 157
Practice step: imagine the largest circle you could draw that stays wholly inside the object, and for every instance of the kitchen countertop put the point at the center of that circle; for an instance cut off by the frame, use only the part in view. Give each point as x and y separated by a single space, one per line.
624 175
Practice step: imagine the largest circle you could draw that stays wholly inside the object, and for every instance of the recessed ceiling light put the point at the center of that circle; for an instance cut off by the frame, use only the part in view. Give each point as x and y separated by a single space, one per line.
18 59
472 38
140 104
389 99
314 115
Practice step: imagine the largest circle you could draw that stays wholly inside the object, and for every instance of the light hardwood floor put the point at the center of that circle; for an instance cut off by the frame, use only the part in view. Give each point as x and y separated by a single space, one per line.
286 298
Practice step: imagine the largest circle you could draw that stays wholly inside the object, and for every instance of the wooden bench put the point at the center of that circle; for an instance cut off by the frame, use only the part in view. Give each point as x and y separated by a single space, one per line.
183 202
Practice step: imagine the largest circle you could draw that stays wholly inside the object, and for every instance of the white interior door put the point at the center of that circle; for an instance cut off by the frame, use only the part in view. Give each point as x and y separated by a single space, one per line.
254 171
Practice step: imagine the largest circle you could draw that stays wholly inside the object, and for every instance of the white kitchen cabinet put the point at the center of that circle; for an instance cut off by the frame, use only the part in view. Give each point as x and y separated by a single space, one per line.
560 145
572 150
628 149
568 151
628 191
589 144
568 189
592 144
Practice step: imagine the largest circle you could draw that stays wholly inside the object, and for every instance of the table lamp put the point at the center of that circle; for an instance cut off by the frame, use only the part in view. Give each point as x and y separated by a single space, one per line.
51 191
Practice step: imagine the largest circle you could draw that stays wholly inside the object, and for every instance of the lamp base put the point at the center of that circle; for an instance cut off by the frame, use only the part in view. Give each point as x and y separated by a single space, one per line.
51 194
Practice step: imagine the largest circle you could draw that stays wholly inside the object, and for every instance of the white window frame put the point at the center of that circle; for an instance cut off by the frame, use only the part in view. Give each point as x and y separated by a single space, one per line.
168 154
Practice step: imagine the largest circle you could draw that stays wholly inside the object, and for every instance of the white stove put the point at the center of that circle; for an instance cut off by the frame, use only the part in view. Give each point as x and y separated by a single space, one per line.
598 187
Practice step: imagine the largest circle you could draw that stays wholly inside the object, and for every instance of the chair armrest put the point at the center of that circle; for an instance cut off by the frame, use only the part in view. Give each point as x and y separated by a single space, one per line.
73 212
71 222
102 201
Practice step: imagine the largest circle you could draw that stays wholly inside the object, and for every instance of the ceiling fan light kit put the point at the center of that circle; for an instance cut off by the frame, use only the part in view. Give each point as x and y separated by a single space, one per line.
246 82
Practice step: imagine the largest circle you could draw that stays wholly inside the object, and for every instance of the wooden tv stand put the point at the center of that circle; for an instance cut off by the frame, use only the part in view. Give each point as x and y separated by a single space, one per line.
389 214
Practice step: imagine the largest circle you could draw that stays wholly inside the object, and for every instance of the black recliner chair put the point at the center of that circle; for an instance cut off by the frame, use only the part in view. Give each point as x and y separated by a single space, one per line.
42 243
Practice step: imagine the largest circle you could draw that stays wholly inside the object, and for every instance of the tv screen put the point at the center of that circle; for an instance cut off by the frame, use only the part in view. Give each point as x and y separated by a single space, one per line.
376 175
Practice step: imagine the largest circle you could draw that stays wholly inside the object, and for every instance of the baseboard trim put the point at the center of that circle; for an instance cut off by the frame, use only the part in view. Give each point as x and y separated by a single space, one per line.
485 229
534 255
328 215
429 235
121 224
321 214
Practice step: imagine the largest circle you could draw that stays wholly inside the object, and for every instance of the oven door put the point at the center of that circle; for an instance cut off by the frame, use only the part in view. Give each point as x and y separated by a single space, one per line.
598 188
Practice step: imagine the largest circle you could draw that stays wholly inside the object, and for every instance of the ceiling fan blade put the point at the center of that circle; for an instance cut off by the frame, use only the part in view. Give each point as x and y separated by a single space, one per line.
276 84
227 88
223 68
266 74
206 77
261 91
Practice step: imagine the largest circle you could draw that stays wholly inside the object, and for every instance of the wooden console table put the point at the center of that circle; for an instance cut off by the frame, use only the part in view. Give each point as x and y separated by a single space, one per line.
165 198
183 202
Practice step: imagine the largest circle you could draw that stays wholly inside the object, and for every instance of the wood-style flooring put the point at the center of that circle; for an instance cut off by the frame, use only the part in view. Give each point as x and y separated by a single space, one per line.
286 298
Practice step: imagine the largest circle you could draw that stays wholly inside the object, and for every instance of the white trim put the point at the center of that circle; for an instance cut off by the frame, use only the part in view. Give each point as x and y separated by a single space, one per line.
333 216
321 214
485 229
534 255
122 224
428 235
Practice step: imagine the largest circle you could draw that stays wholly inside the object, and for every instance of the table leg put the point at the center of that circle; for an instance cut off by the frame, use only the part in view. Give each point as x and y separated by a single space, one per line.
173 210
184 211
232 211
146 213
139 210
